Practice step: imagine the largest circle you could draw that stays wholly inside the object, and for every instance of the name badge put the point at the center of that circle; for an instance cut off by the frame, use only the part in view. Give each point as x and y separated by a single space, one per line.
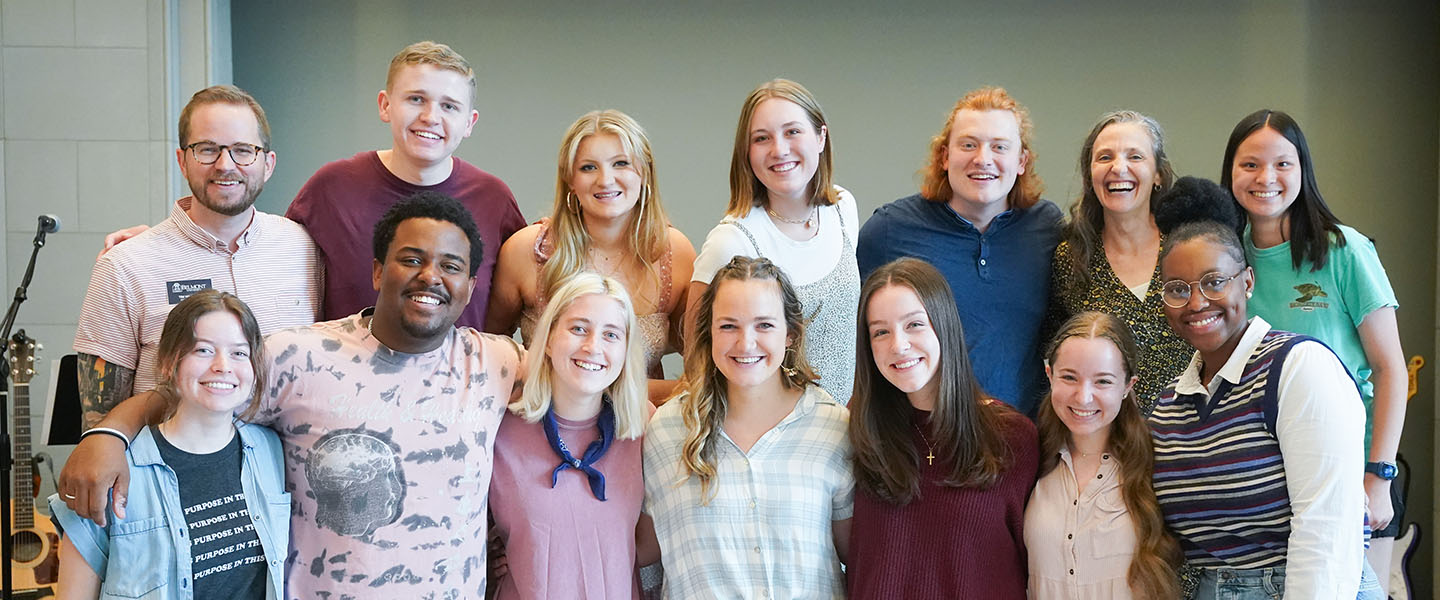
180 290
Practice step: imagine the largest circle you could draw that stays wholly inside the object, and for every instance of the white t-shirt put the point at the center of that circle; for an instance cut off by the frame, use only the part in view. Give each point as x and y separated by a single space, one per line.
804 262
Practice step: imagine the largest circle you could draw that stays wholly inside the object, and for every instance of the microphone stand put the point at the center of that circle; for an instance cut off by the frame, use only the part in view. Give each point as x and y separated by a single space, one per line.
5 457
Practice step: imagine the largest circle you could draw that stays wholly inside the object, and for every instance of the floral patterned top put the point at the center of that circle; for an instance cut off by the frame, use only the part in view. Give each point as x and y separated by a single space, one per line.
1163 355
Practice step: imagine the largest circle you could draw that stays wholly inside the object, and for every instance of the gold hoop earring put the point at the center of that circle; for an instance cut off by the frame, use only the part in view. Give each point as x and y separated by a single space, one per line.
570 202
790 371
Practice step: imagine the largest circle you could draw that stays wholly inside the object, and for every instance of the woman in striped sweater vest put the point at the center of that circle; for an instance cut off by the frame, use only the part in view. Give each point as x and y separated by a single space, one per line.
1258 443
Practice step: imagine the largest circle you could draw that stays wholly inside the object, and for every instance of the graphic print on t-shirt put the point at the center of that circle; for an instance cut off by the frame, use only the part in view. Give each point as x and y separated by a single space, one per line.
1306 301
357 479
222 536
387 458
227 560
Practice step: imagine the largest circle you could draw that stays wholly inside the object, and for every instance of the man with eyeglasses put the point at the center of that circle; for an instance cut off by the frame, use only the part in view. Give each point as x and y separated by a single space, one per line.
212 239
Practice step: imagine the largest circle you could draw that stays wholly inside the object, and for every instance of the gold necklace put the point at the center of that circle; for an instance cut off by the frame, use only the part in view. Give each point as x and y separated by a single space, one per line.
808 221
930 456
610 266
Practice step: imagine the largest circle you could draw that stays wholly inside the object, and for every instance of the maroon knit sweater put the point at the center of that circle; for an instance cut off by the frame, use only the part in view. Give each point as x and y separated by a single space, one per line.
947 542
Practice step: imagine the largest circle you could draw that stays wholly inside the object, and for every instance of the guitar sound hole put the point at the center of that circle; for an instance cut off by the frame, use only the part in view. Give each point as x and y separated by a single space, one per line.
25 546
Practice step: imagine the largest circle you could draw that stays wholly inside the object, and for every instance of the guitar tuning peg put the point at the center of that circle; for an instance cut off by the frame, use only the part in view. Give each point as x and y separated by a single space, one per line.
39 346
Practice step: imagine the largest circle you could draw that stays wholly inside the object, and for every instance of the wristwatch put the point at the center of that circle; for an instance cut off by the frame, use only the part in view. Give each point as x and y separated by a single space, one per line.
1383 469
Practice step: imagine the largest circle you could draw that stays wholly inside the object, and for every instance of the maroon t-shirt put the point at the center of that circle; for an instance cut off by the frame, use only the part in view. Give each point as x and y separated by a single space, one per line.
342 202
947 542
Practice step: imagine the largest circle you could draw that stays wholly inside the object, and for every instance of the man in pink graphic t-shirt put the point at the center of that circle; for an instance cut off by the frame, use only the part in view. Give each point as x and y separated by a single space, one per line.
387 418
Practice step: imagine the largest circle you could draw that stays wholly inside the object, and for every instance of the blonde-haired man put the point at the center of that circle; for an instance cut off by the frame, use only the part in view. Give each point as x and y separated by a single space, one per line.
428 101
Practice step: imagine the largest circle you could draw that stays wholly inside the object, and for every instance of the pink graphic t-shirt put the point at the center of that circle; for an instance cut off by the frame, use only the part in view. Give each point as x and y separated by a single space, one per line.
388 457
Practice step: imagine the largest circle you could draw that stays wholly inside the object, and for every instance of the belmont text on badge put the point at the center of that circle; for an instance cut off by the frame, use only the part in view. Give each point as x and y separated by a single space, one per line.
180 290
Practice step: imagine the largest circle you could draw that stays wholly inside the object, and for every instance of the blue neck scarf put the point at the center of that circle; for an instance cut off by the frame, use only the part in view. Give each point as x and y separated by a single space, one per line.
586 463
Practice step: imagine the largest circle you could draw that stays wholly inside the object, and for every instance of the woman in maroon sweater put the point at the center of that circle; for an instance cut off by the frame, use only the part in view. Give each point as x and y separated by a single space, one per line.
941 471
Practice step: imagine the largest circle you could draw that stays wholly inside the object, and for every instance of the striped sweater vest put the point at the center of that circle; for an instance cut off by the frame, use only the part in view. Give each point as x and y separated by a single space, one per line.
1219 476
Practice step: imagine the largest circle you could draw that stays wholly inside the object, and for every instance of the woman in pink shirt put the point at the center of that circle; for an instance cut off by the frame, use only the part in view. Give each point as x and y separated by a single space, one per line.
1093 526
567 487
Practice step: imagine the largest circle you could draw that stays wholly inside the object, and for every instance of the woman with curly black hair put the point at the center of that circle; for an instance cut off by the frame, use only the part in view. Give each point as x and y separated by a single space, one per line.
1258 441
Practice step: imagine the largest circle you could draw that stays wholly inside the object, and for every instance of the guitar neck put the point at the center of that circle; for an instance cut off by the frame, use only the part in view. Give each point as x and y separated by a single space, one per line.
24 488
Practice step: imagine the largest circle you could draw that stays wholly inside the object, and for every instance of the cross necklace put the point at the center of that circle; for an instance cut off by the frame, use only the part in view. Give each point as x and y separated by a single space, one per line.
930 456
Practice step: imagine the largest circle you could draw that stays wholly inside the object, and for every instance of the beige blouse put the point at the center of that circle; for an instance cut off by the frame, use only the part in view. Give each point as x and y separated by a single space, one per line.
1080 544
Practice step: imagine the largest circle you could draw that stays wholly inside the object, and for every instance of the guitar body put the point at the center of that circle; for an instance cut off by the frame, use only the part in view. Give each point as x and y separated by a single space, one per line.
1399 575
35 554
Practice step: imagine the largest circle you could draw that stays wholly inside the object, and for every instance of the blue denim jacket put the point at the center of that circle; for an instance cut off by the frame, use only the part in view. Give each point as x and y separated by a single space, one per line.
147 554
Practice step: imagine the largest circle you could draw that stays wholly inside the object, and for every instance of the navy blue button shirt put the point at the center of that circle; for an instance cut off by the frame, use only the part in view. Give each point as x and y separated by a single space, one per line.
1001 280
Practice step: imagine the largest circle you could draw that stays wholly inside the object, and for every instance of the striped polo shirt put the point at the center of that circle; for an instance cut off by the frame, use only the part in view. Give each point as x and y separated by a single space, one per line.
274 267
1219 475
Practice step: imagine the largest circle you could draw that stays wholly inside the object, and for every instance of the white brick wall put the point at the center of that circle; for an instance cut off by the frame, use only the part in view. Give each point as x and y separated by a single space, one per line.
89 93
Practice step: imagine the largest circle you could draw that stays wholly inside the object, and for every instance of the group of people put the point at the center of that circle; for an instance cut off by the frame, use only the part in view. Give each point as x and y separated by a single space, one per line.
857 413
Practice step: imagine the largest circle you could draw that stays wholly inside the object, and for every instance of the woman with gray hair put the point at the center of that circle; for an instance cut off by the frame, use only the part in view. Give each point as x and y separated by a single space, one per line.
1107 261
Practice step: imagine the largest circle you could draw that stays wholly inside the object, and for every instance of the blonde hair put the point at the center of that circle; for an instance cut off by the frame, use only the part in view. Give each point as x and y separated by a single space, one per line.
649 235
704 404
436 55
628 393
1028 187
746 190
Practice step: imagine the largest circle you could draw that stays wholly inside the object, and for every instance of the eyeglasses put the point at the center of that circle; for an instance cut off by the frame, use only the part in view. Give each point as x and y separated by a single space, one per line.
206 153
1176 292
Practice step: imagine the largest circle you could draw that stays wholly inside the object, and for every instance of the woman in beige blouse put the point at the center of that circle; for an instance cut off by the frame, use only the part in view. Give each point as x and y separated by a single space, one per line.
1093 527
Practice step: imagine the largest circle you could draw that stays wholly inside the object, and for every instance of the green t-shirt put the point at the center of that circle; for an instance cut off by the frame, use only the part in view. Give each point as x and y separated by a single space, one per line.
1328 304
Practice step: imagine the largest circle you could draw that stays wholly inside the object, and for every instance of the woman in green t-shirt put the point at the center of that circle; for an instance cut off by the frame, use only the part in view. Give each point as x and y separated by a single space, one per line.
1319 277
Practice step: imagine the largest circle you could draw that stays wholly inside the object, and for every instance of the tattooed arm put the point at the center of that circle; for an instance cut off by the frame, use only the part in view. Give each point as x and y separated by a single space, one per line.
102 386
98 464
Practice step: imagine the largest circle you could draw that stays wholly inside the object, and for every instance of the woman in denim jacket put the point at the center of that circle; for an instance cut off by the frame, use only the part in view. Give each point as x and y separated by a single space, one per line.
207 515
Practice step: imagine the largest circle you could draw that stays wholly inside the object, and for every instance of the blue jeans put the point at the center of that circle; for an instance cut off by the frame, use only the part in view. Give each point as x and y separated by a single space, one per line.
1370 585
1241 584
1262 584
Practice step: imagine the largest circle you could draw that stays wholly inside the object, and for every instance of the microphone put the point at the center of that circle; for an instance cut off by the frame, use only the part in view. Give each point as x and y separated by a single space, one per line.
49 223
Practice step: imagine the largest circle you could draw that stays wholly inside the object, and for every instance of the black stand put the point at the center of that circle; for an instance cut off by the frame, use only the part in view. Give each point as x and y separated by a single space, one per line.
5 465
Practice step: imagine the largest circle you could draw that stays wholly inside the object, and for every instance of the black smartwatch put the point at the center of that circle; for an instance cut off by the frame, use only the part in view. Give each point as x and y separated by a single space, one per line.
1383 469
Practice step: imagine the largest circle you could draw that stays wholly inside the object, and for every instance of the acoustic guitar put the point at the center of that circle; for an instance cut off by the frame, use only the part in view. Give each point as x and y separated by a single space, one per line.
34 544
